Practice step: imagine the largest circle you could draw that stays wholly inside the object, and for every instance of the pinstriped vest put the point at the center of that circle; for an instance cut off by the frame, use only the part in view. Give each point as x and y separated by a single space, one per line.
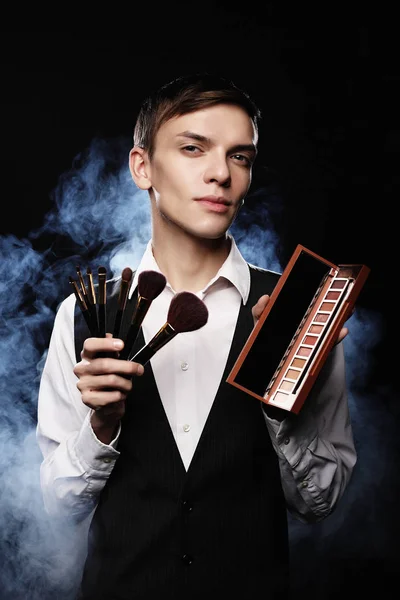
161 533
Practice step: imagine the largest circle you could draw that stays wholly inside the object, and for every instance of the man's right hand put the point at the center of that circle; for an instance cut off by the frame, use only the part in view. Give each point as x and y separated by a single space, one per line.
105 383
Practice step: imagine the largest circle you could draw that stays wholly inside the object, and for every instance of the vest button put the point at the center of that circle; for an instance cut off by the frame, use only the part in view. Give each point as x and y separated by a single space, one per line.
187 559
187 507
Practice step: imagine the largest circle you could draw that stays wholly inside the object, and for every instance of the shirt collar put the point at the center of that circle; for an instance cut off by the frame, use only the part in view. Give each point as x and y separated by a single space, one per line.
235 269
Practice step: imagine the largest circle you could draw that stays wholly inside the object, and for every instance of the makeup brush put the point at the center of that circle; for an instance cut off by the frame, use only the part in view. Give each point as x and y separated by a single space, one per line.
83 285
86 298
126 278
90 288
102 274
186 313
92 299
150 285
83 306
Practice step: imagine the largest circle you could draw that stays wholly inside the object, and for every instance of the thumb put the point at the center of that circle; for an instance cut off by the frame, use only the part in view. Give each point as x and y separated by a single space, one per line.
258 308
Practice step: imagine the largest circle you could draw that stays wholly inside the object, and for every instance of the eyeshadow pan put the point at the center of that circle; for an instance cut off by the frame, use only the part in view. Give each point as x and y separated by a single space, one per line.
339 283
332 295
286 385
304 351
298 362
321 318
292 374
315 329
310 340
327 306
280 397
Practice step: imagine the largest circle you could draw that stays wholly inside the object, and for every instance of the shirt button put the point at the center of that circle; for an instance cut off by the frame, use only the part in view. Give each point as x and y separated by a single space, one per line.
304 484
286 441
107 460
186 427
184 366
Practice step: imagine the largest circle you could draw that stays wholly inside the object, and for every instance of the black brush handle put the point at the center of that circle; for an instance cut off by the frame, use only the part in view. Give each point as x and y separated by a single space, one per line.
129 341
102 320
144 355
117 323
89 322
102 316
162 337
142 306
93 317
85 309
124 286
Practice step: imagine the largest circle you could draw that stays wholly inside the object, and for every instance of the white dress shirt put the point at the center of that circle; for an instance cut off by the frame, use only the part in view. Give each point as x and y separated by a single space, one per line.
315 449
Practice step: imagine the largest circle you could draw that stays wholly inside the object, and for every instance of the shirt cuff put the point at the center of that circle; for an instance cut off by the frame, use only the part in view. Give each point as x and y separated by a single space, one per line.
95 455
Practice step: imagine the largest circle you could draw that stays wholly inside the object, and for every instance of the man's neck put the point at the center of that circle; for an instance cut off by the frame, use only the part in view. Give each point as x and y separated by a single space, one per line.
187 262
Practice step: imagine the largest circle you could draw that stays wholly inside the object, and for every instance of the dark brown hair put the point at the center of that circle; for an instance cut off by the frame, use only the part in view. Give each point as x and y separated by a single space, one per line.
184 95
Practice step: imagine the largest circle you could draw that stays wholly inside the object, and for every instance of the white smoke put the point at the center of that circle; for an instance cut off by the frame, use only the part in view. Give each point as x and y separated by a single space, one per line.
99 217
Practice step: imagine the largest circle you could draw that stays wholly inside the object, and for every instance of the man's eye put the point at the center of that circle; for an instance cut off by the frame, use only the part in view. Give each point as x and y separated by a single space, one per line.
191 148
242 158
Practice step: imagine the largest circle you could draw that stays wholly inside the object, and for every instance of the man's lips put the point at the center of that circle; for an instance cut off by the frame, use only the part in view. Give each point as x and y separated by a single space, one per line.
214 203
214 200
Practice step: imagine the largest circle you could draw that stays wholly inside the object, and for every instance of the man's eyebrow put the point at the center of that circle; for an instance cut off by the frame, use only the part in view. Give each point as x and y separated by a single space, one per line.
206 140
244 148
194 136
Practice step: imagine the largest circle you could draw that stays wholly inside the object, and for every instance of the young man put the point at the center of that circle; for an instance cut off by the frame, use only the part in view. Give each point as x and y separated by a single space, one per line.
188 478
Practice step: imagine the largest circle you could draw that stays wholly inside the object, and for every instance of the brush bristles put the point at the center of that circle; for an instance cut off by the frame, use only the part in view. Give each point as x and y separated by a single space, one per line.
187 312
126 274
151 284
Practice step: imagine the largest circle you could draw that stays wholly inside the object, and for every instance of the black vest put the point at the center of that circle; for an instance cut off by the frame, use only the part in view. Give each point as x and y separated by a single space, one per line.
161 533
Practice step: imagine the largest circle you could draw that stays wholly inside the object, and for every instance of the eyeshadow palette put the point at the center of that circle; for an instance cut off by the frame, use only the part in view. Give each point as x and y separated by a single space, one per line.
290 342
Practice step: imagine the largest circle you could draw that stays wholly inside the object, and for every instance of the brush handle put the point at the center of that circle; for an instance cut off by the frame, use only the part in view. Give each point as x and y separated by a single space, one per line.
129 341
93 317
123 294
164 335
142 306
85 309
102 320
144 355
117 323
102 331
90 289
89 322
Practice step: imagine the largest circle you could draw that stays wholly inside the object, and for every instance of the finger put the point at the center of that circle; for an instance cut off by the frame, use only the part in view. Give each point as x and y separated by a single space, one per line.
104 382
96 399
104 366
342 334
258 308
93 346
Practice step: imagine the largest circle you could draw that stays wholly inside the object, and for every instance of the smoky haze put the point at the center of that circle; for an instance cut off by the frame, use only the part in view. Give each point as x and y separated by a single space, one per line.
99 217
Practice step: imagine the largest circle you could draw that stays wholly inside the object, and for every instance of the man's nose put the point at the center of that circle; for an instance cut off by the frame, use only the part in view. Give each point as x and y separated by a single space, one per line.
218 171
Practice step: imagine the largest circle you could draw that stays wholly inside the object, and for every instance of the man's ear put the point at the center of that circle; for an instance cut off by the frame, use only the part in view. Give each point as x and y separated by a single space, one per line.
139 167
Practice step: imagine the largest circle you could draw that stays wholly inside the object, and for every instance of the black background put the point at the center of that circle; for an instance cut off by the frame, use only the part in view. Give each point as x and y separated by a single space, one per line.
328 89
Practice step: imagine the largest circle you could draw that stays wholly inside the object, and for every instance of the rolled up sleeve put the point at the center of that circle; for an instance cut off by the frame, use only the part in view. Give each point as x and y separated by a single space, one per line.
315 448
76 465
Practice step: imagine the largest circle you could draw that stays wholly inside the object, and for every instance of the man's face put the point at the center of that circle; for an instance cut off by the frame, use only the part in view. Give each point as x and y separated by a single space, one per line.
201 169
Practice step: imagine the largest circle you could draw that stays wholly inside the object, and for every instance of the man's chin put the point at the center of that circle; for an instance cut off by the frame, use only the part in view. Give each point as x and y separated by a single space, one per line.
210 231
207 229
210 235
